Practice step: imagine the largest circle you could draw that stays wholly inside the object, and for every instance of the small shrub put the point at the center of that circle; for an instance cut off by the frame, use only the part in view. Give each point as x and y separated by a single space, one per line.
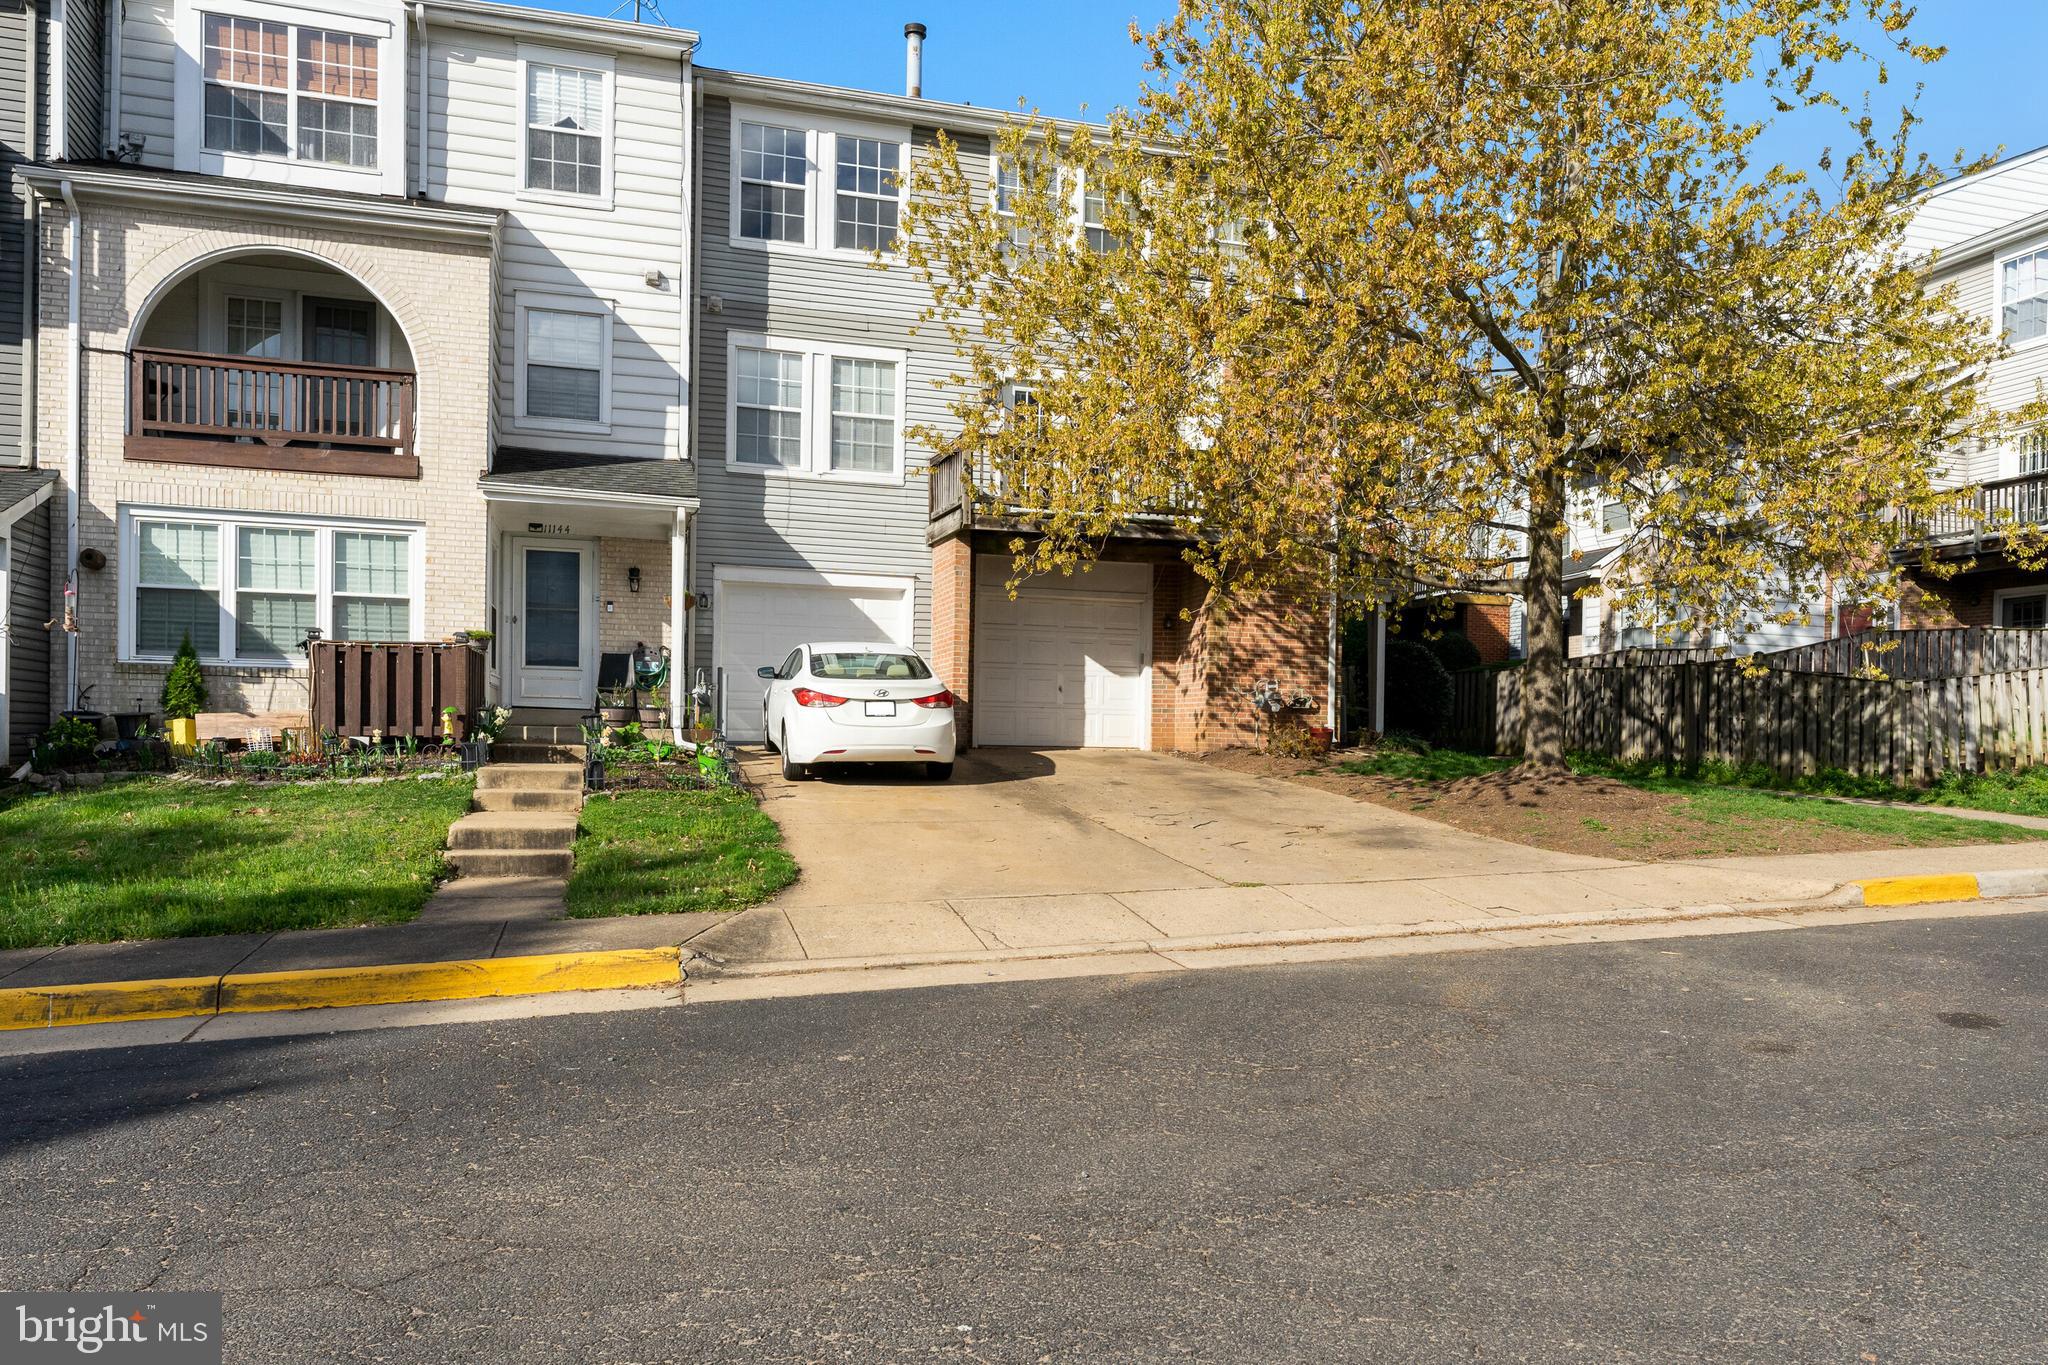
67 743
1455 651
1418 690
184 694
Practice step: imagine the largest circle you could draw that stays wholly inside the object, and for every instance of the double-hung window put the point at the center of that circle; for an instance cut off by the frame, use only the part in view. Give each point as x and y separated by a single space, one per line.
248 590
863 437
768 407
565 129
295 93
2023 296
372 585
774 171
564 360
276 590
177 587
802 185
1094 212
1614 517
867 196
811 408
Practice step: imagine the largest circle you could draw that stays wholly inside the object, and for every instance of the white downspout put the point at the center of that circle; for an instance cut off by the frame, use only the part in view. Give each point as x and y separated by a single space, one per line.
74 452
30 271
426 98
678 621
1379 670
60 104
110 75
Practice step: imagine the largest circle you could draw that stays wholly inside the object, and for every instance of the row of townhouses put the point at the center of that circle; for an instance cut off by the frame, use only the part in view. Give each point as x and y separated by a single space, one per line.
1985 237
396 320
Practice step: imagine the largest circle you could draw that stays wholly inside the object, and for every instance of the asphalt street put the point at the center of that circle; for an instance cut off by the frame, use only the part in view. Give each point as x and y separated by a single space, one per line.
1822 1145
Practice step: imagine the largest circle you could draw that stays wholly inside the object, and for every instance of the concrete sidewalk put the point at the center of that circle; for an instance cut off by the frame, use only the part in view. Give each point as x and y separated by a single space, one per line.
800 933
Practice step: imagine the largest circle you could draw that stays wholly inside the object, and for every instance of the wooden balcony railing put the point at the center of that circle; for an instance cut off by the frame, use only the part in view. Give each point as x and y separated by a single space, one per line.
188 407
2021 501
951 509
396 689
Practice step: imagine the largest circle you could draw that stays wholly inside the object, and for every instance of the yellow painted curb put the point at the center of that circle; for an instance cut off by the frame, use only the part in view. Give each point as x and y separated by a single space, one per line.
1948 886
108 1002
333 987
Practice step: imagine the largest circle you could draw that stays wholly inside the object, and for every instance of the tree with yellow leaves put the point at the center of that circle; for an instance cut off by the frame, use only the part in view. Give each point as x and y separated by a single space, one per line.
1364 294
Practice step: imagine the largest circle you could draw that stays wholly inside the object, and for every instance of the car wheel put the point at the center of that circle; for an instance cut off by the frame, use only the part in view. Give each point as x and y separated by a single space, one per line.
768 737
939 772
792 772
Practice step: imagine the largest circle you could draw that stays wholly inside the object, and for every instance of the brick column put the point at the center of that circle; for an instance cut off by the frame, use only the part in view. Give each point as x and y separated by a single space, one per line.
953 626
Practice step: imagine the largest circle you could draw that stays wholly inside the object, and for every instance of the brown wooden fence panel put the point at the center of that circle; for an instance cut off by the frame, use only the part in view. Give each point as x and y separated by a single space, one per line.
394 689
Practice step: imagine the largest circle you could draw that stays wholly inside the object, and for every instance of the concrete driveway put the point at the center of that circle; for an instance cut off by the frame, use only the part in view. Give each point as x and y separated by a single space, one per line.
1032 849
1020 822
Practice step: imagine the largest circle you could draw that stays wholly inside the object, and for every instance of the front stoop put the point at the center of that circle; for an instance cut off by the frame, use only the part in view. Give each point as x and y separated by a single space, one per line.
522 822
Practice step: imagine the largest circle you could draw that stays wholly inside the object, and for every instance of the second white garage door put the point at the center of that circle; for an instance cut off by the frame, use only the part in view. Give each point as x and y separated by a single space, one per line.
759 620
1063 664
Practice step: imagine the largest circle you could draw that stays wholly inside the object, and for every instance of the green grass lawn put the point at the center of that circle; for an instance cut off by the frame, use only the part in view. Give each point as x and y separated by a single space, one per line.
661 852
163 859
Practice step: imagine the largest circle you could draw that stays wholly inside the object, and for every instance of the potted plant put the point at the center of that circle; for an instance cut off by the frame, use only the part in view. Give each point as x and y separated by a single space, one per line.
654 709
184 697
484 727
615 706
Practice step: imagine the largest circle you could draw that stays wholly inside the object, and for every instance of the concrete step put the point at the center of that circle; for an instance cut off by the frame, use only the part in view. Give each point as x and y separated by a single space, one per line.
542 733
537 751
513 830
530 777
516 798
510 862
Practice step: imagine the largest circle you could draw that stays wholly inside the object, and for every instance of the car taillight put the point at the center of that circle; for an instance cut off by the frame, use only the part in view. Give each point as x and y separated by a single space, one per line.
936 701
804 696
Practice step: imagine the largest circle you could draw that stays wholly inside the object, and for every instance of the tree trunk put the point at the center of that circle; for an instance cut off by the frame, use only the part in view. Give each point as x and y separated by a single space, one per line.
1544 622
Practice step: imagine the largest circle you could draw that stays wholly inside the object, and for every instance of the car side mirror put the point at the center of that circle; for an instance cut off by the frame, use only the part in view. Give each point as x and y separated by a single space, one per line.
765 671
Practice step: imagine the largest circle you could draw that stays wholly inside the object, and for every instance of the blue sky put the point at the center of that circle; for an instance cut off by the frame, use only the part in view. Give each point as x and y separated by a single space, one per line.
1062 55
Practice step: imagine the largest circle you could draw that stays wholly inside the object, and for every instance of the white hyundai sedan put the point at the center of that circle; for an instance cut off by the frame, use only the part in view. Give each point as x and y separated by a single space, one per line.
857 703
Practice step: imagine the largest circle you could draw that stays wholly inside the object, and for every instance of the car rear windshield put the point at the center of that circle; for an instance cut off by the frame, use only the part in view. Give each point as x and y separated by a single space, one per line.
875 667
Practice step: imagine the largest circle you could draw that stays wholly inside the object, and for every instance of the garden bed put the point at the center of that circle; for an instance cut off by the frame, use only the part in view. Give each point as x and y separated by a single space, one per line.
1605 812
171 858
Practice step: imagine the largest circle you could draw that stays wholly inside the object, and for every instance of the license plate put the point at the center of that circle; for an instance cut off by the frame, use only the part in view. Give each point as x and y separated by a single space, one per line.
880 708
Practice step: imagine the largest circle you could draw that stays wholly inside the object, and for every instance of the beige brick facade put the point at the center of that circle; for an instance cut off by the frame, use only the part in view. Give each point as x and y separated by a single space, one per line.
634 617
439 291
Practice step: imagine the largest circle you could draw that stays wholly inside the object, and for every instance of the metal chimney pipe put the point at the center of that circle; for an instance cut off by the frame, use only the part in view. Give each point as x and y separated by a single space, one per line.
913 60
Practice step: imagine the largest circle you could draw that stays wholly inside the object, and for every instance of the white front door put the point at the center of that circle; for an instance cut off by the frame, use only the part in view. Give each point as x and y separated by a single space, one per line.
554 636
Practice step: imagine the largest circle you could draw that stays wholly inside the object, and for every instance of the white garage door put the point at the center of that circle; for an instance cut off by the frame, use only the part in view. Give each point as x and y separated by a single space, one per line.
759 621
1062 666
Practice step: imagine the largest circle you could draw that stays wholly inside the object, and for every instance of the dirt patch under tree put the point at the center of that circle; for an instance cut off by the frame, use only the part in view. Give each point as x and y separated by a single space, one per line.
1603 817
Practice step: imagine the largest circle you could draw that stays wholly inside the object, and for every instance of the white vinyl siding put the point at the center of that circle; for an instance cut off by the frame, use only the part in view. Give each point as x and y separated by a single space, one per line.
248 589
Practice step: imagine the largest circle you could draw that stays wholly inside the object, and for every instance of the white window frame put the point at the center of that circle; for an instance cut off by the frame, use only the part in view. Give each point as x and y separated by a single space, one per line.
815 428
821 188
229 526
380 20
525 302
1998 600
530 56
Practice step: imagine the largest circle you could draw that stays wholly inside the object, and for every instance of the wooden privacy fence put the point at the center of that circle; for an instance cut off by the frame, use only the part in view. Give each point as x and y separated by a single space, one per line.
397 688
1950 653
1796 724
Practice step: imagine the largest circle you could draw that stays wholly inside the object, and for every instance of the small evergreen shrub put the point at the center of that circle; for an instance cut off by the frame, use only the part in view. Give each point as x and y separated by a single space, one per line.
184 694
1418 691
